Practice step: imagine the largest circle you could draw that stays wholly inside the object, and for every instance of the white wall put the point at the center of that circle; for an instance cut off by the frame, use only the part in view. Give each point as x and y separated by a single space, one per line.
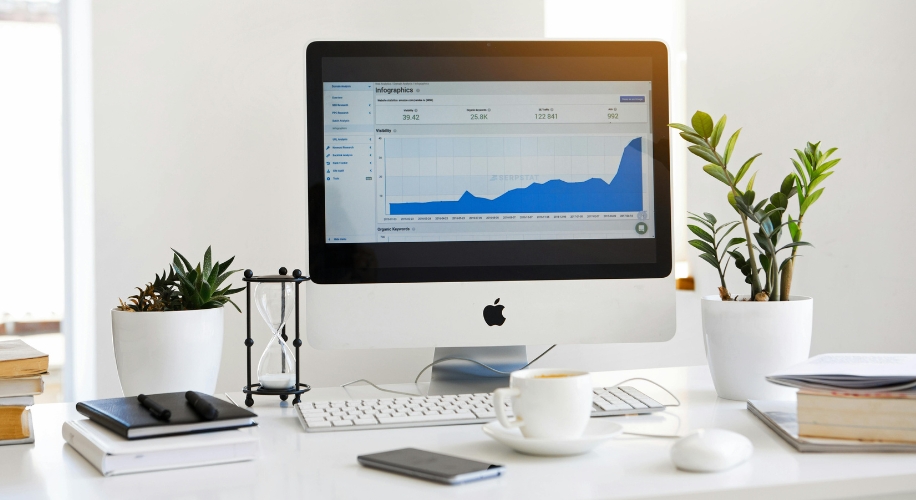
199 129
199 139
841 72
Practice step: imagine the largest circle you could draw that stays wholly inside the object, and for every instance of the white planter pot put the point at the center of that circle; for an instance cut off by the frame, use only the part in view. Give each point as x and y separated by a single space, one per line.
746 341
171 351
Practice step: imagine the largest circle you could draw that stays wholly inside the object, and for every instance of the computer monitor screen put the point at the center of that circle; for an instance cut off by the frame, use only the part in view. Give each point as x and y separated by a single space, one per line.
476 161
467 194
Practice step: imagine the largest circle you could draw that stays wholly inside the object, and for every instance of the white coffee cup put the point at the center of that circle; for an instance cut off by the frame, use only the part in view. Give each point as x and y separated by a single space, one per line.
548 403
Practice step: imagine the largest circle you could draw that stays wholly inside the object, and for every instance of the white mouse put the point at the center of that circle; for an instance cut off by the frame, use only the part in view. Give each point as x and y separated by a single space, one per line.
710 450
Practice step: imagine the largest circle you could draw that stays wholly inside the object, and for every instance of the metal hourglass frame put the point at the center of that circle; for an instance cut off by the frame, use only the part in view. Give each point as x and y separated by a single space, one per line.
252 389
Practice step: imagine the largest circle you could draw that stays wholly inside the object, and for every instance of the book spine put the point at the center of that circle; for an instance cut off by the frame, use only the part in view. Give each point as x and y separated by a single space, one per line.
85 447
102 419
808 429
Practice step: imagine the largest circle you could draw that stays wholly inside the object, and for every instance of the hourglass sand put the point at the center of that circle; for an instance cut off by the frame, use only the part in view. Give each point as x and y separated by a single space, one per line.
276 368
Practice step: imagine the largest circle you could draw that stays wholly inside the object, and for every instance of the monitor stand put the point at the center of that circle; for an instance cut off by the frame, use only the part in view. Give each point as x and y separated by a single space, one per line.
463 377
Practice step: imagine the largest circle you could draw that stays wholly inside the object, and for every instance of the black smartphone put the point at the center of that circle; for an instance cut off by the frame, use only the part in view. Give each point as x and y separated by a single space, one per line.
431 466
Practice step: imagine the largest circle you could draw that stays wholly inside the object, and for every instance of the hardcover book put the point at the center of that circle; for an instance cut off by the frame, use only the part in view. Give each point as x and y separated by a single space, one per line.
112 454
18 359
127 418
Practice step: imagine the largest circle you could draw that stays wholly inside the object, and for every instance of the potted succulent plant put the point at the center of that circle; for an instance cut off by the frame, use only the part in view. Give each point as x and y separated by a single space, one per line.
748 337
169 337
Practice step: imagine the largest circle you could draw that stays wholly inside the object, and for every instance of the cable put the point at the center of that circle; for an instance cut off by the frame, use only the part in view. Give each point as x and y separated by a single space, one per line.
443 360
664 436
656 384
436 362
381 389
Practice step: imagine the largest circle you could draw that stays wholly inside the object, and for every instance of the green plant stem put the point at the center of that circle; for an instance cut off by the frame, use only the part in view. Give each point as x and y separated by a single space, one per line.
755 280
790 268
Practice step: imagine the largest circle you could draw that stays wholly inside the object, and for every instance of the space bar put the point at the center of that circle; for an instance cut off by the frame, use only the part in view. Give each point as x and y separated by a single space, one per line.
426 418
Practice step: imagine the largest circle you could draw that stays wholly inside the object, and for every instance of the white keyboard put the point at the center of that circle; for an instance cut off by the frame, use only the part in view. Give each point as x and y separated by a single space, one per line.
425 411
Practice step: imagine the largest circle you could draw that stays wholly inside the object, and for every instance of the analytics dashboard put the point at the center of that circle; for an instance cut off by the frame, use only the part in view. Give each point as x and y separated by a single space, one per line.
475 161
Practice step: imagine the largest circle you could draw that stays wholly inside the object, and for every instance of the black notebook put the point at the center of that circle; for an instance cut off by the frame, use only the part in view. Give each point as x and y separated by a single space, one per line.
127 418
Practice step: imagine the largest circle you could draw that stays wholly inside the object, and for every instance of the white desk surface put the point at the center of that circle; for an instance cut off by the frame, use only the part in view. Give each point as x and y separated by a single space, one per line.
294 464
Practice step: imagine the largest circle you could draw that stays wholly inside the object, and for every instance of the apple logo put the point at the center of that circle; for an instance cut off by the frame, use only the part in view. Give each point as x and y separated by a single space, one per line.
493 315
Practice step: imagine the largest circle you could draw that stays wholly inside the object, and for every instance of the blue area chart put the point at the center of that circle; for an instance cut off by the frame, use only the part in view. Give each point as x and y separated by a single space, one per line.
622 194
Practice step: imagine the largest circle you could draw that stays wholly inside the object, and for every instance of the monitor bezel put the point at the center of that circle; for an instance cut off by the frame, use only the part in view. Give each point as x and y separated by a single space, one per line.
338 263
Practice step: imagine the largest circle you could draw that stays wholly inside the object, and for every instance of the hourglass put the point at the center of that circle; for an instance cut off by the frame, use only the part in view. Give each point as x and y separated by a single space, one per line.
276 297
276 367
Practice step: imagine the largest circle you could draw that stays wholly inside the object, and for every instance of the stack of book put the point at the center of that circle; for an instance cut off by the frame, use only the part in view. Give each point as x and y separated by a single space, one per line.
869 398
21 368
123 436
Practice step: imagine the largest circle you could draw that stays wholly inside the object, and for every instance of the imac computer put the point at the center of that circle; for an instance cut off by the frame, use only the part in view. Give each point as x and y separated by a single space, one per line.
478 197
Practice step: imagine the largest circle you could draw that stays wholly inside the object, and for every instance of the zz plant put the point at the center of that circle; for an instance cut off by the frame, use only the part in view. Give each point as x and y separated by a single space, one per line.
186 287
768 277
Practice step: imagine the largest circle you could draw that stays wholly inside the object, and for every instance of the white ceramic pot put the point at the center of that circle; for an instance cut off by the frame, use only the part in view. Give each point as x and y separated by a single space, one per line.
171 351
746 341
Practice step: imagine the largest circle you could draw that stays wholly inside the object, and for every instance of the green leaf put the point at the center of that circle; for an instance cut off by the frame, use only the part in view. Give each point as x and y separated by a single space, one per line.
177 266
801 174
750 183
702 246
693 138
717 172
793 229
745 167
704 221
225 265
764 241
730 227
731 145
806 162
222 277
827 154
702 123
186 262
810 201
234 305
704 153
717 132
208 265
795 244
699 232
780 200
825 167
735 241
788 186
683 128
710 217
709 258
818 180
740 261
205 292
749 198
801 192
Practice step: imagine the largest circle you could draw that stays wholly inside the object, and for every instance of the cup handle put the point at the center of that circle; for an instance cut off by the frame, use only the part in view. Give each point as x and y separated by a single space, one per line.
499 396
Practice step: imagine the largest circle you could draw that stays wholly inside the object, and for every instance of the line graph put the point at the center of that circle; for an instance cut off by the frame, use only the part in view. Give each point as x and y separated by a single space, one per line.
609 178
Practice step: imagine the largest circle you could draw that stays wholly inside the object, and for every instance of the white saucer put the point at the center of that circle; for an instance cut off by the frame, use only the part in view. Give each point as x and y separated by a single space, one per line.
598 431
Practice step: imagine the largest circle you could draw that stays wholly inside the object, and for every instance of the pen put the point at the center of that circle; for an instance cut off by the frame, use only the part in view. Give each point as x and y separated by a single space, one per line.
155 409
203 407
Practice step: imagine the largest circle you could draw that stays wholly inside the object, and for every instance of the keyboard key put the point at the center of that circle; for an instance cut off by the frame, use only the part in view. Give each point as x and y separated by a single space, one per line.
365 421
318 425
341 423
